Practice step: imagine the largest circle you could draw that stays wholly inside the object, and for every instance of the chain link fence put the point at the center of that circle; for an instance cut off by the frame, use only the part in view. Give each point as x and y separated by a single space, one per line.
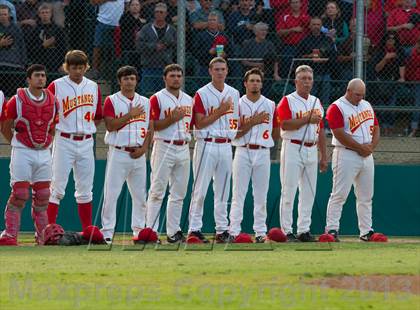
276 36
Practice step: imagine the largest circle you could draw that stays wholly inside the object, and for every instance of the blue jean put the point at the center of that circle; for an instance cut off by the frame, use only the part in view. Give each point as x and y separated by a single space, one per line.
104 35
416 115
288 52
151 81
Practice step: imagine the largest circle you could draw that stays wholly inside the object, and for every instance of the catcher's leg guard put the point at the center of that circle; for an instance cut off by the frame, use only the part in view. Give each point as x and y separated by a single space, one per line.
12 214
40 196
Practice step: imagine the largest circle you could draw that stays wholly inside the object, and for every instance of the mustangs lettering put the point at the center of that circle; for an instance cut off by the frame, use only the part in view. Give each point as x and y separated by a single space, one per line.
358 121
78 105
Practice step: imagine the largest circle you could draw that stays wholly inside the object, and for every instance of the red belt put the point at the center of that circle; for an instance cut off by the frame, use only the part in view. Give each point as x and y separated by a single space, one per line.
75 137
176 142
304 143
218 140
254 146
127 148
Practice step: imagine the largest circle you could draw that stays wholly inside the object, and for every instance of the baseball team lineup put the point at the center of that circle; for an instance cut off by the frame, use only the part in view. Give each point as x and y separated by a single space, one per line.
51 131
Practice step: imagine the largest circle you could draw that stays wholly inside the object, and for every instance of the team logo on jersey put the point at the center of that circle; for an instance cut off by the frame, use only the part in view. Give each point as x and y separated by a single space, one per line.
356 120
71 104
186 109
302 114
212 109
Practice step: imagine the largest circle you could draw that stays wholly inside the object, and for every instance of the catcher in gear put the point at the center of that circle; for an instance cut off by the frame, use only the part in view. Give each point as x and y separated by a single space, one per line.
54 234
29 127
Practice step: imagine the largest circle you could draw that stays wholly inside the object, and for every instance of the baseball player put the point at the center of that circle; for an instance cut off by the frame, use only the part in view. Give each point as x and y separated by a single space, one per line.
29 127
355 131
216 118
128 135
80 111
302 130
171 111
257 128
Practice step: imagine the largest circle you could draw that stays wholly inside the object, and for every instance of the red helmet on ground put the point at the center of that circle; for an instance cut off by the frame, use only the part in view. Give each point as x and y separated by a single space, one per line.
93 234
147 235
243 238
326 238
276 234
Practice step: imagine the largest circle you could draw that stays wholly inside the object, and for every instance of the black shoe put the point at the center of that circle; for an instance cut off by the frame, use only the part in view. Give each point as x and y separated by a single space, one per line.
178 237
334 233
306 237
199 235
224 237
260 239
291 238
367 236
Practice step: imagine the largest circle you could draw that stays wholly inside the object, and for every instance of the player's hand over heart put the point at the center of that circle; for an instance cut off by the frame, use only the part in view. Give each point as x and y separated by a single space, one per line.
139 152
314 118
177 114
136 111
226 105
260 117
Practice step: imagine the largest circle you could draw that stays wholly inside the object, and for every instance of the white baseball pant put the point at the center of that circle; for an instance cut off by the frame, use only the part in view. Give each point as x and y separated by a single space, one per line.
30 165
255 165
169 163
349 168
298 169
211 160
120 167
68 154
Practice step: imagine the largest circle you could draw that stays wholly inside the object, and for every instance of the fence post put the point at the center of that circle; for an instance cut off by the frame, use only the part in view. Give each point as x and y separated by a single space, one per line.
360 30
180 43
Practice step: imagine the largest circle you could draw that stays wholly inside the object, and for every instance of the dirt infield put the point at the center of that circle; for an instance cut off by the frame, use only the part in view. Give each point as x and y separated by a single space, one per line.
375 283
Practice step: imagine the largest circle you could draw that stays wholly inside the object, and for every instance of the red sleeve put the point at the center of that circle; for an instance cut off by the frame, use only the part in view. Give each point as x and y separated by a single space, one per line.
276 120
321 124
51 88
98 114
109 110
391 21
375 120
11 112
335 117
283 111
154 108
198 106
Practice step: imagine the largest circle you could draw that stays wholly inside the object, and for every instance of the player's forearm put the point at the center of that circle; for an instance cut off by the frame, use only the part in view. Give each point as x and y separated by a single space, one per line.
204 121
7 131
163 123
276 133
245 128
113 124
346 140
322 144
294 124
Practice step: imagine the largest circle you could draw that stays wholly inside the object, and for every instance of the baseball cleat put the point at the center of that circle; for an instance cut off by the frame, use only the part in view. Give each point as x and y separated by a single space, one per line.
198 234
372 236
6 240
260 239
291 238
306 237
224 237
108 241
177 237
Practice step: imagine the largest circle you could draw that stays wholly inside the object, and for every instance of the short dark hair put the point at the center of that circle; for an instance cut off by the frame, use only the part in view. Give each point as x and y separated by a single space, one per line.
35 68
216 60
172 67
4 7
254 71
126 71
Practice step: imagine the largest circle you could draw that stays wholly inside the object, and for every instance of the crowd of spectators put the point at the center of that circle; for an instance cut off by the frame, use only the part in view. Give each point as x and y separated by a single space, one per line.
274 35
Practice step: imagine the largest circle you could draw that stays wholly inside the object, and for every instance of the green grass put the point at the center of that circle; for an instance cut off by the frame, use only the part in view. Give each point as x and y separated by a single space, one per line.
75 278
